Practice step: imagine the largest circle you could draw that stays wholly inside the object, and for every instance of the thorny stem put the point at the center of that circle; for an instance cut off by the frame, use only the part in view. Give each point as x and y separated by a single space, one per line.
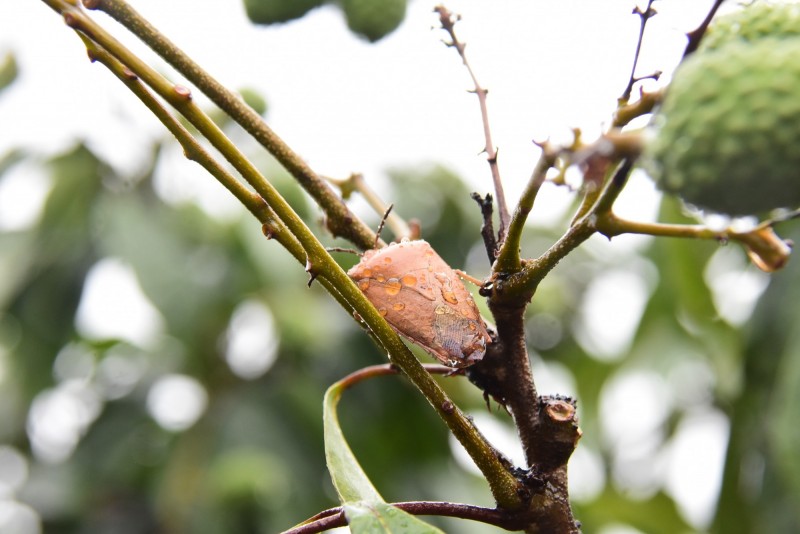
340 220
448 21
696 35
503 485
644 16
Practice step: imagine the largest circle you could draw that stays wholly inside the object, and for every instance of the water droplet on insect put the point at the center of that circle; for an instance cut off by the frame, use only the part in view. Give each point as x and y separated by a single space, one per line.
393 286
409 280
450 297
363 284
398 306
387 259
382 311
380 278
440 310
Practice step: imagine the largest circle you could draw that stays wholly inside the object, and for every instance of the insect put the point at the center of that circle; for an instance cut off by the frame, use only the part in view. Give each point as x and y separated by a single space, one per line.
424 300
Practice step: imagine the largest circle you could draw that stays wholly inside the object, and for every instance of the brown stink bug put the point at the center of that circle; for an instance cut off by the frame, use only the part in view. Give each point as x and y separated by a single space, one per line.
424 300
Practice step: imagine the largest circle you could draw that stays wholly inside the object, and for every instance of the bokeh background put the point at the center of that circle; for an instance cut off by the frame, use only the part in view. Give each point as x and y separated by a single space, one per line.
162 365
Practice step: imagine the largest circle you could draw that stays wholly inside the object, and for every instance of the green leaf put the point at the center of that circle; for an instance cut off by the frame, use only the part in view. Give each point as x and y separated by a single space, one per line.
364 507
379 517
351 483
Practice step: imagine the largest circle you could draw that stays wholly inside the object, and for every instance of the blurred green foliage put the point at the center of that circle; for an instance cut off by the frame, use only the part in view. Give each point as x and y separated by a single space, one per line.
254 461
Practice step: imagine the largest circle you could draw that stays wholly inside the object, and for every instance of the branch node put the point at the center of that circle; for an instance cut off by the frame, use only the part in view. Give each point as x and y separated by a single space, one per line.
182 92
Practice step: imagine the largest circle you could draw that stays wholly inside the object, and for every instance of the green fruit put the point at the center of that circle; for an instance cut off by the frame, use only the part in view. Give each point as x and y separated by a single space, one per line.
254 99
754 22
373 19
728 132
275 11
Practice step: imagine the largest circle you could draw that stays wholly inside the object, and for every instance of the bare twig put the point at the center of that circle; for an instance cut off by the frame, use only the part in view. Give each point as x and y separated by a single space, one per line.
448 21
335 517
644 16
696 35
487 228
356 182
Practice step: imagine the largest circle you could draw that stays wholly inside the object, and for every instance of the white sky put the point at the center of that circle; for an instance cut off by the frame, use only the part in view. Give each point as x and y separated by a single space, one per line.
344 105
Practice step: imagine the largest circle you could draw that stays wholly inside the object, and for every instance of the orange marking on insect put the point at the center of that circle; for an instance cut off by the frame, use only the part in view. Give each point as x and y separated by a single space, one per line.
424 300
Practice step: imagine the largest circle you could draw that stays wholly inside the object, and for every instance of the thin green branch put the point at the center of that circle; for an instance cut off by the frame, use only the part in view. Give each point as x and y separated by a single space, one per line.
521 286
503 484
763 246
340 220
194 151
508 258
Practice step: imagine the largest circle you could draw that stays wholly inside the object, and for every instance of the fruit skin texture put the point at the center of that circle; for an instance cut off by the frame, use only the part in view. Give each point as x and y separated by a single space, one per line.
728 132
276 11
760 20
373 19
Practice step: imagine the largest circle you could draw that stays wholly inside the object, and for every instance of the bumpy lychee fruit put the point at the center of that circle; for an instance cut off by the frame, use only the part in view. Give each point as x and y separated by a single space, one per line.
752 23
728 132
276 11
373 19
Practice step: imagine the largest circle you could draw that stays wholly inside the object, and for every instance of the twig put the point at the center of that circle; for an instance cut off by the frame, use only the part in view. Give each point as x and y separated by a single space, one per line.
448 21
335 517
644 16
643 105
340 220
487 229
763 246
519 287
508 258
356 182
696 35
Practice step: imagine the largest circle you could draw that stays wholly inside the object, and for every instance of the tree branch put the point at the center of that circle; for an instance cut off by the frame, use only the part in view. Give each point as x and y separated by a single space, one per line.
340 220
644 16
508 258
696 35
448 21
334 517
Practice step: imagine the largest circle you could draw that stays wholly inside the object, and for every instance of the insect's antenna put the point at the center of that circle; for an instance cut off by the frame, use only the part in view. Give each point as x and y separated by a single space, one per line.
380 226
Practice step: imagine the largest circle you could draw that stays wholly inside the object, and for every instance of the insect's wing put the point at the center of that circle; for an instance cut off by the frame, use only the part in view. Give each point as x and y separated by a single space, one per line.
424 300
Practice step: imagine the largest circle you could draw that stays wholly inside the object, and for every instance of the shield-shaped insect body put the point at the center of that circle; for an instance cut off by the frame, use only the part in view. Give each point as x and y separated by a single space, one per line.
424 300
